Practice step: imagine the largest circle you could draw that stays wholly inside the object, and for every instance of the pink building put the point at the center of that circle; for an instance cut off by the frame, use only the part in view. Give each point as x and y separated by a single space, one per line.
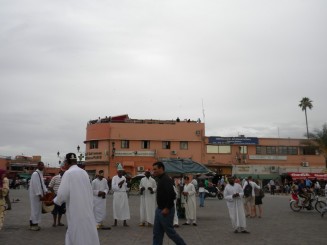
4 162
263 158
137 144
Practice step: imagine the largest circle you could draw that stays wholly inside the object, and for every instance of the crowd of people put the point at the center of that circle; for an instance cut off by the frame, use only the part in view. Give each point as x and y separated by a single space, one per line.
85 202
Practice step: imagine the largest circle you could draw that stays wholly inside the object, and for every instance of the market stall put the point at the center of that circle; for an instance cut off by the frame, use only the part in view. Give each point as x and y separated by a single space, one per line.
181 167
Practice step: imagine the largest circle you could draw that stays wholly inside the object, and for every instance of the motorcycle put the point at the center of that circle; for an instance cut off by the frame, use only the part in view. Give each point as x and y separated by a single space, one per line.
297 203
214 192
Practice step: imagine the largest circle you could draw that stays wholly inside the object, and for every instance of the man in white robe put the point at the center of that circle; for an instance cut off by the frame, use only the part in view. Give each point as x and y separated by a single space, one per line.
233 194
148 187
76 191
100 190
120 198
37 190
176 189
189 194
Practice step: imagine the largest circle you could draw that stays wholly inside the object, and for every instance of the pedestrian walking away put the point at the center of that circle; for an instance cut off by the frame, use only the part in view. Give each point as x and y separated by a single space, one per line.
249 198
272 187
75 190
259 194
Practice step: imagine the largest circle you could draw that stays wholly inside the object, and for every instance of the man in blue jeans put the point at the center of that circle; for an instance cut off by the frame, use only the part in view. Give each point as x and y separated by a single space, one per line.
164 216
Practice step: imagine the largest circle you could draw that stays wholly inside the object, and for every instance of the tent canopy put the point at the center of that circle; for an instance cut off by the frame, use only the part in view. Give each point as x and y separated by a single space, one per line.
184 166
204 176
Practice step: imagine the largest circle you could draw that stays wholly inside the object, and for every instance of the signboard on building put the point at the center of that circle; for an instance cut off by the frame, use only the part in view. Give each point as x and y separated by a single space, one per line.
93 155
135 153
267 157
251 169
319 176
233 140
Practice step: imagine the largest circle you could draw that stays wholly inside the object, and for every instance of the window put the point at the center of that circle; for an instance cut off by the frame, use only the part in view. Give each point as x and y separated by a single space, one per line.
243 149
219 149
166 145
292 150
282 150
271 150
307 150
183 145
125 144
212 148
93 144
224 149
259 150
274 150
145 144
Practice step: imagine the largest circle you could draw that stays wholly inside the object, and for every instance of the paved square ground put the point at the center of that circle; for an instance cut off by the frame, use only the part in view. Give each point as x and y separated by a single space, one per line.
279 225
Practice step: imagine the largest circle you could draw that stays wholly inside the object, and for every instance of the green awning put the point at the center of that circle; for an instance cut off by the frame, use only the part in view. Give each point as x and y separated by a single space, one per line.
25 176
184 166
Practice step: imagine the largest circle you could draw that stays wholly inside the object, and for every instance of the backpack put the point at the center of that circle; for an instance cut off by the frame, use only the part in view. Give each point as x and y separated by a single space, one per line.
248 190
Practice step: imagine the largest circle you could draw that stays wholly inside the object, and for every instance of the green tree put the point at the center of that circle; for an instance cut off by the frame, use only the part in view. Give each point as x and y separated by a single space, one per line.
320 139
304 104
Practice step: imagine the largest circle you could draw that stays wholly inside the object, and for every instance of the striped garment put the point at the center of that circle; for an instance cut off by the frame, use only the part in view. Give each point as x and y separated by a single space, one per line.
55 182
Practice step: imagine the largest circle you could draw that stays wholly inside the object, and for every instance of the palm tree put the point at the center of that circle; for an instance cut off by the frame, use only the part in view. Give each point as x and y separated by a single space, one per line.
304 104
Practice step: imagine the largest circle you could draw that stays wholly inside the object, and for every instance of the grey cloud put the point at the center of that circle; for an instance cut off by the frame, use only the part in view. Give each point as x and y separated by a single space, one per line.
65 62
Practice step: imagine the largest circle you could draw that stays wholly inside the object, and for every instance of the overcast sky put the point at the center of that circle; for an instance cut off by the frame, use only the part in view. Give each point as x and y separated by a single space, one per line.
245 64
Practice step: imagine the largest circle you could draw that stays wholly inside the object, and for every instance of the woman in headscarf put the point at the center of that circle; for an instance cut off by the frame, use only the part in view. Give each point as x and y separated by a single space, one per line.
4 189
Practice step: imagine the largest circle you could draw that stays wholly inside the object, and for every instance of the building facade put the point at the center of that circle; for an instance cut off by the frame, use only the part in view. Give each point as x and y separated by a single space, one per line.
4 162
23 166
262 158
137 144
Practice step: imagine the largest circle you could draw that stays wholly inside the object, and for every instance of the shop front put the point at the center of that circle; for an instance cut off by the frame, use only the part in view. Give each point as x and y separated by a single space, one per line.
263 173
311 176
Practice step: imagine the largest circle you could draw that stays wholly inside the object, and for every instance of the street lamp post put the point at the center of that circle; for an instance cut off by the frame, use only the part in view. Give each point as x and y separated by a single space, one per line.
80 157
60 158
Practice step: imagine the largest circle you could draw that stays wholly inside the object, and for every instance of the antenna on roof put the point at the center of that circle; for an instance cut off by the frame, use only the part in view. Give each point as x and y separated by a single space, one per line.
204 117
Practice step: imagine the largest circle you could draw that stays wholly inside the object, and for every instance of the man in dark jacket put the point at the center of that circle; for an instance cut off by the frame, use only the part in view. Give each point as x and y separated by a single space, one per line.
164 216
